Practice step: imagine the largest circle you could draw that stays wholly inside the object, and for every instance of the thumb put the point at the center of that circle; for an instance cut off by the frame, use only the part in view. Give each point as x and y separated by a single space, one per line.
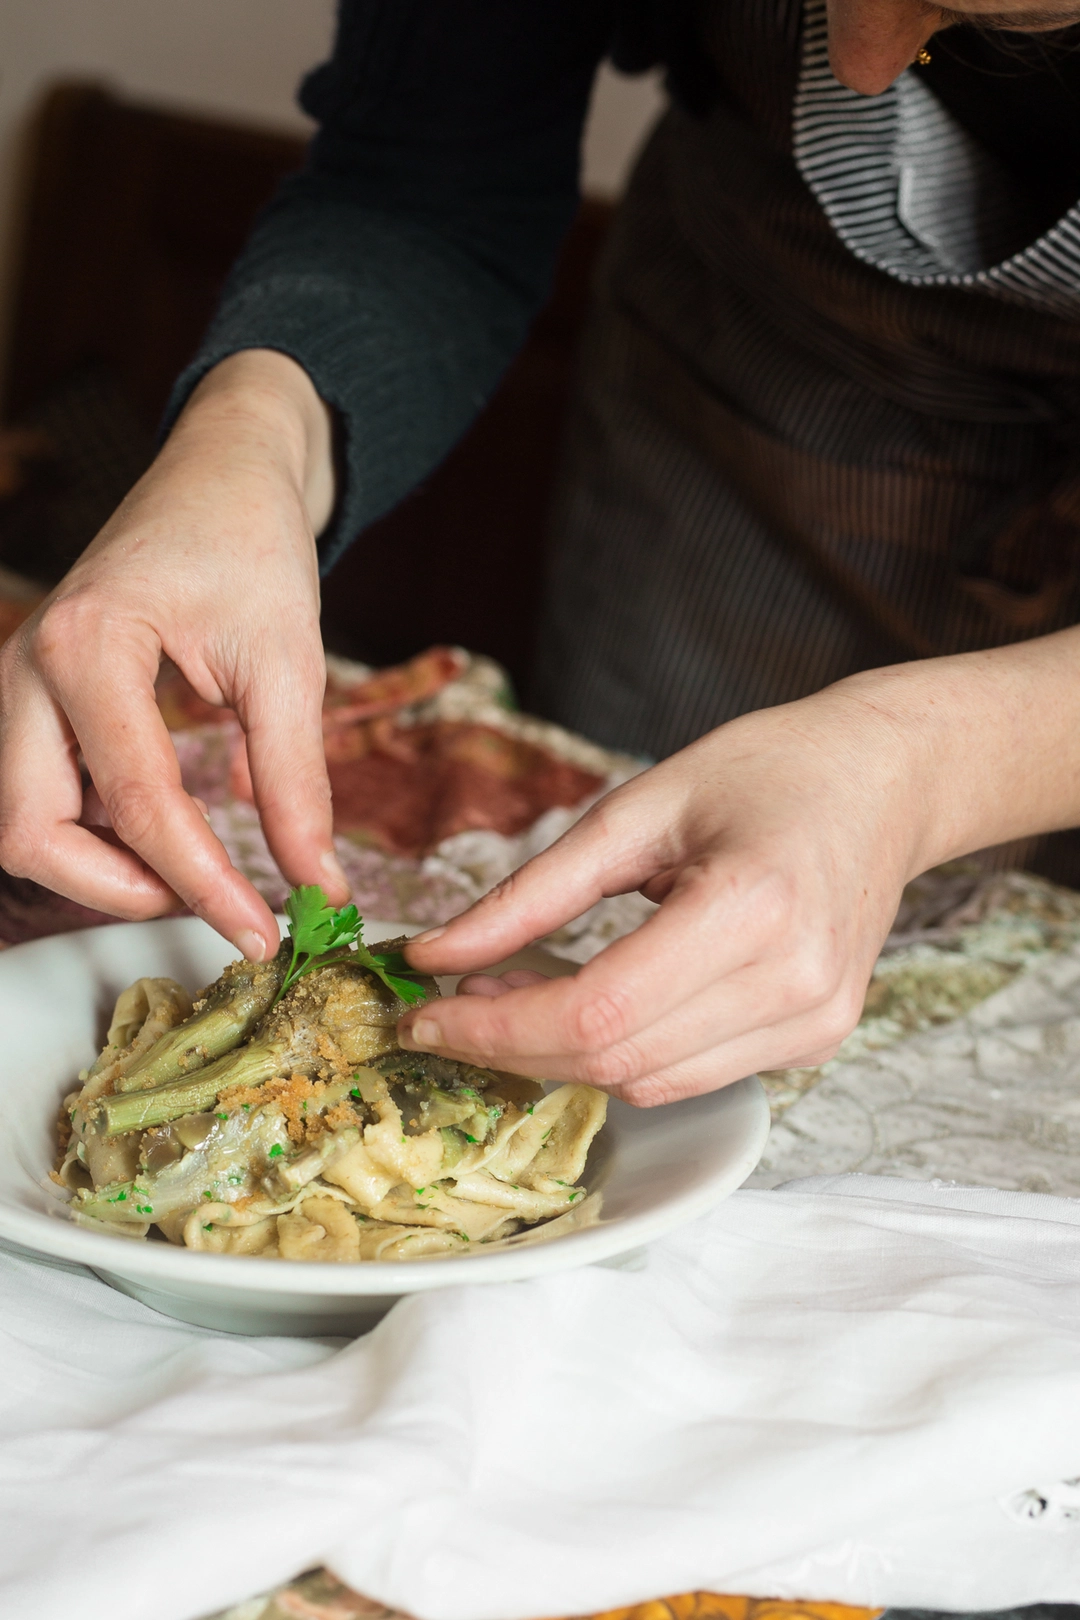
594 859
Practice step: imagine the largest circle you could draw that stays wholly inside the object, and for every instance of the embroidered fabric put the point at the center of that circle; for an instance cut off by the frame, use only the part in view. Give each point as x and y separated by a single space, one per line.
1052 1507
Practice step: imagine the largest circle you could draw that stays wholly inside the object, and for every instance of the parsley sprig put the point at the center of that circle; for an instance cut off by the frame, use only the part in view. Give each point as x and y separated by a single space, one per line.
320 935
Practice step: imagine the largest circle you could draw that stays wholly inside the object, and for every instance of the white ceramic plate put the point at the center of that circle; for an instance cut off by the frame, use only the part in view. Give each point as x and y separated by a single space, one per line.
656 1167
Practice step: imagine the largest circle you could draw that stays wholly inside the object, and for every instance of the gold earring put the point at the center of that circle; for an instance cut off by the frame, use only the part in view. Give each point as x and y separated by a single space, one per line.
922 56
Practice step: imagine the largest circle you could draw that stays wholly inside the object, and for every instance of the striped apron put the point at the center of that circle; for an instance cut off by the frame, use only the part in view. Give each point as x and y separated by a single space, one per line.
828 409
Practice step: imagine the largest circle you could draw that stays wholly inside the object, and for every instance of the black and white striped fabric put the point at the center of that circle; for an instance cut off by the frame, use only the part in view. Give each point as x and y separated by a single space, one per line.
910 192
828 411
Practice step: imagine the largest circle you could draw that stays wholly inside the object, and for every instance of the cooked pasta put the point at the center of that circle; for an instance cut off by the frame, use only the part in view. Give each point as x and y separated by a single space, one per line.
294 1127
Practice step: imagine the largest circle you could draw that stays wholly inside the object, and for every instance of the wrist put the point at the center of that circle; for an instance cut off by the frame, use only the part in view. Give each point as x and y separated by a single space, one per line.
261 401
901 741
988 743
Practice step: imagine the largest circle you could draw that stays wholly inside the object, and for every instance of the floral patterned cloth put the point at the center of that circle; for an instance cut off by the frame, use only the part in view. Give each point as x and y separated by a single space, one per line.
319 1596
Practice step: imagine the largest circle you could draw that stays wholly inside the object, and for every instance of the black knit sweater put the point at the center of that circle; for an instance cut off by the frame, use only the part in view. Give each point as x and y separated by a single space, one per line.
401 268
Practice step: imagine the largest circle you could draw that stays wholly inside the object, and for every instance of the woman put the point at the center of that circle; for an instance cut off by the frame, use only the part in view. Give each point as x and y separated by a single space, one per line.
820 513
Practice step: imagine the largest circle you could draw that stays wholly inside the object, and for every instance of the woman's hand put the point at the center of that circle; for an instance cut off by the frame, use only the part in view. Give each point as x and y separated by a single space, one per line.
778 847
210 562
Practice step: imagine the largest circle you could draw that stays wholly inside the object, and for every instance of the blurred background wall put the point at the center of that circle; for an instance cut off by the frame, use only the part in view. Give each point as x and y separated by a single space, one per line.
238 58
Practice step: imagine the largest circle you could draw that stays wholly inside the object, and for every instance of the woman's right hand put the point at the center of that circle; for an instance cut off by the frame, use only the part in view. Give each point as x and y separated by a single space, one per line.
211 562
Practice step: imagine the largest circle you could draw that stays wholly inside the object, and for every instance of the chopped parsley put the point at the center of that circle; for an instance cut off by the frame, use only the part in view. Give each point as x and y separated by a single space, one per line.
221 1116
276 1151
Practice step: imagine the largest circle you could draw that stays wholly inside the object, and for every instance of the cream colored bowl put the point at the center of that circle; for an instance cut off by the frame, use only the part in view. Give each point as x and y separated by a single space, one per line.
656 1168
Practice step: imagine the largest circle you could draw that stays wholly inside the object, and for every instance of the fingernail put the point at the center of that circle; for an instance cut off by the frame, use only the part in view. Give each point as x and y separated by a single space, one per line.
425 1033
425 939
251 945
334 872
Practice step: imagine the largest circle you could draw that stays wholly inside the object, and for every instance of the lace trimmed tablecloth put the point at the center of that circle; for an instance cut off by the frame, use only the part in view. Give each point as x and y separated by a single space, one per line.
966 1064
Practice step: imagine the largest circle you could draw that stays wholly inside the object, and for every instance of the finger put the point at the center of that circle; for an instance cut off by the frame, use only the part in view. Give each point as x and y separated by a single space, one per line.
481 984
490 984
791 1043
134 767
282 717
634 983
781 994
41 800
604 854
764 1050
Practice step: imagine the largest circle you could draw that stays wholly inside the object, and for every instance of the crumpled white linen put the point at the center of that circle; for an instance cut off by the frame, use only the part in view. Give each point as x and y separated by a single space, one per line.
832 1391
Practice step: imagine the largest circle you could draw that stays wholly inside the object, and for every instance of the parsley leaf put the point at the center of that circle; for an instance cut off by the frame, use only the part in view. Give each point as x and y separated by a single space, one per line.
320 935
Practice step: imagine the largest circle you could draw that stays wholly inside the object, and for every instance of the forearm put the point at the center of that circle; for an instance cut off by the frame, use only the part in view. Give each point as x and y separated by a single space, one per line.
261 405
991 739
401 333
401 268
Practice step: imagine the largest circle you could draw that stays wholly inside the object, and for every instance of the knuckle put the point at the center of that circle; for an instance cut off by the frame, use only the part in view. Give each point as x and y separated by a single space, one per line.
812 979
612 1068
603 820
654 1089
829 1027
134 809
67 631
773 898
599 1020
292 787
848 1006
839 1017
504 891
61 623
20 848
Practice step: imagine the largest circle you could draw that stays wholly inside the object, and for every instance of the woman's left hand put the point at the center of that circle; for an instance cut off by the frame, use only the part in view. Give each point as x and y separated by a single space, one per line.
777 847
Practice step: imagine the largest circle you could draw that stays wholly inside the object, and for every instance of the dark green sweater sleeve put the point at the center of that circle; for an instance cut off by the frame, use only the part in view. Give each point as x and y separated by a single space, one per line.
402 266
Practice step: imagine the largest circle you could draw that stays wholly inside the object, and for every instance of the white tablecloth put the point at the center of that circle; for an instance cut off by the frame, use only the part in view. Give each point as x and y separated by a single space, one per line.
848 1389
